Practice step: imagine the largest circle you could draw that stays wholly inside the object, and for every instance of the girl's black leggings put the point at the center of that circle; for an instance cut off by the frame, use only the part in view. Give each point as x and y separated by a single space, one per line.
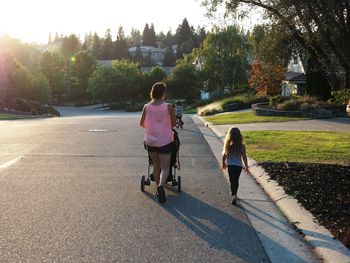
234 172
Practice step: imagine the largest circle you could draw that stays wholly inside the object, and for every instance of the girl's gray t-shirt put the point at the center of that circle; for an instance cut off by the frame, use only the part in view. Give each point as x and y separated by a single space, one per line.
235 158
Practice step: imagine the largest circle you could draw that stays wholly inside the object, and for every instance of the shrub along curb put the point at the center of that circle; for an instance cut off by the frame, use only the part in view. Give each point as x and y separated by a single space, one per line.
259 109
326 246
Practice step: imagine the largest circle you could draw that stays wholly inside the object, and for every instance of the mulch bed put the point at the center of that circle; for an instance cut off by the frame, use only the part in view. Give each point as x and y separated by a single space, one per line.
323 189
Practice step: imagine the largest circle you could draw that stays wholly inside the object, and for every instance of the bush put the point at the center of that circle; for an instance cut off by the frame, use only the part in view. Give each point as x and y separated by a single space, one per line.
341 97
243 101
134 107
208 112
306 108
320 113
210 109
34 111
120 105
290 105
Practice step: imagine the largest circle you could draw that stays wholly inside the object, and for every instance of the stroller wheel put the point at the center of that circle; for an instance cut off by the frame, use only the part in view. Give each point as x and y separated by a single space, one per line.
143 179
179 184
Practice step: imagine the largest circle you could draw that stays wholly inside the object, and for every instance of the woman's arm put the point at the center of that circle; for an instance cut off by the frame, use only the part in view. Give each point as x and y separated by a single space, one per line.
143 117
172 115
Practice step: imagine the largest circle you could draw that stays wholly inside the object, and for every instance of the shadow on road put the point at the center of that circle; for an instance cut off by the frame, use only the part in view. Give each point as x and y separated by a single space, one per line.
219 229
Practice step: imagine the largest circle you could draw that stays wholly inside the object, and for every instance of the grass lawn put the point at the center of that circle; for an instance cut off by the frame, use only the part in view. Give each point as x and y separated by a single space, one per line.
298 146
4 116
246 117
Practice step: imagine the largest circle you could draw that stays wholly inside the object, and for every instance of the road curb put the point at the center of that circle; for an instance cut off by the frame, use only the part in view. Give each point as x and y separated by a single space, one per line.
325 245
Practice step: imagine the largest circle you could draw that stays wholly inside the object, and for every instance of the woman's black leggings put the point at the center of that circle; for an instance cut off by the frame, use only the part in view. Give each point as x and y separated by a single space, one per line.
234 172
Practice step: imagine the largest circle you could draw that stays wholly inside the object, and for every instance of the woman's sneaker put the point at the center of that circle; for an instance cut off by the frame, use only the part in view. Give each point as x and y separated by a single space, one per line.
161 194
234 200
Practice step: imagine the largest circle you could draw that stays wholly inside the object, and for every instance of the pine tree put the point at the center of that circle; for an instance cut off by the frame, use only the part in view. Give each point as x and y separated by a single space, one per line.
96 46
121 47
145 36
185 38
107 50
138 58
152 37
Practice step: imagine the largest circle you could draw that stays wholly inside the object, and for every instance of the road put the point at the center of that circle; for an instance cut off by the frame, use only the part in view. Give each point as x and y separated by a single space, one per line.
69 192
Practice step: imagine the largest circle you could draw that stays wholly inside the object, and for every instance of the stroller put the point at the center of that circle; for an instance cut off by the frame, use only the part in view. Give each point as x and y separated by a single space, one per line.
174 165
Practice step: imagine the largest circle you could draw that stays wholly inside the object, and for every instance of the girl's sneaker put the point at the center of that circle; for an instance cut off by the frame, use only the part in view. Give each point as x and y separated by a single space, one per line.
234 200
161 194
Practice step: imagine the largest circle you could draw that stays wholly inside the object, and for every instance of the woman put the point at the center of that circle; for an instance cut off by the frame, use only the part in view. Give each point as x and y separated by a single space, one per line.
158 119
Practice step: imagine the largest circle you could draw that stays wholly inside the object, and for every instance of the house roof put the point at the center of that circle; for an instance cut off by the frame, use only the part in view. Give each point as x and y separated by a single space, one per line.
295 77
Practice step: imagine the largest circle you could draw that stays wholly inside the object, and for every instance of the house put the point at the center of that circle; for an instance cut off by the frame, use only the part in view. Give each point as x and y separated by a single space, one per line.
294 81
156 54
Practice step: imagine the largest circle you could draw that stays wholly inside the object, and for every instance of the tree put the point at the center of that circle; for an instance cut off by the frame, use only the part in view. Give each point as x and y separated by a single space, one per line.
149 36
127 79
169 58
53 67
272 49
121 46
135 37
266 80
138 58
185 38
225 53
183 82
88 42
70 45
83 66
96 47
40 90
152 37
31 86
119 82
100 84
7 70
321 28
108 49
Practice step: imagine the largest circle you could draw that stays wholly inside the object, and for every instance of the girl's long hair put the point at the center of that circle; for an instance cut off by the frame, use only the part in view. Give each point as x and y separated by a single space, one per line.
233 142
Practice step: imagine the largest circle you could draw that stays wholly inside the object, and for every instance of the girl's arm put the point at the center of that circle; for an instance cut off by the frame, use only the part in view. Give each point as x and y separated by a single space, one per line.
143 117
172 115
245 160
224 166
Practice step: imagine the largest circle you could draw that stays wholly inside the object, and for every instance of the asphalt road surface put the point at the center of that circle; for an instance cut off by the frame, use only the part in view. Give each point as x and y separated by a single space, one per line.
70 192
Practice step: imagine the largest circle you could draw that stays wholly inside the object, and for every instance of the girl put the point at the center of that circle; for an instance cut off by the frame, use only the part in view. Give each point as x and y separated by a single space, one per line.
233 153
158 119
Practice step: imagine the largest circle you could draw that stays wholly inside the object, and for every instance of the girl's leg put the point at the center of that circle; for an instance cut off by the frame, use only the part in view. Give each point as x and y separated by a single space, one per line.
164 164
156 166
234 172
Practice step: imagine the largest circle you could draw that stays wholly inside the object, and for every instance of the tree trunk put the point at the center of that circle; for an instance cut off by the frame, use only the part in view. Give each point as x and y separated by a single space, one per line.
347 78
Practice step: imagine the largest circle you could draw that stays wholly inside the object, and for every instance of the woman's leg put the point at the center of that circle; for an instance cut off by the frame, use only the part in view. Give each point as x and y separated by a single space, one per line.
234 172
165 165
156 166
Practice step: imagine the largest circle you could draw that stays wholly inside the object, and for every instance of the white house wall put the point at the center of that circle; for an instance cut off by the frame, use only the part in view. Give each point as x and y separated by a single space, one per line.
298 67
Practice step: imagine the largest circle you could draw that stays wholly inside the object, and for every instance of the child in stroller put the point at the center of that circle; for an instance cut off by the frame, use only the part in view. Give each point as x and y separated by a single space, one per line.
174 164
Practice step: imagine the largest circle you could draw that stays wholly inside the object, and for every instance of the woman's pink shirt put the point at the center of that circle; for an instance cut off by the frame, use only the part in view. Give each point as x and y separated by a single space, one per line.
158 130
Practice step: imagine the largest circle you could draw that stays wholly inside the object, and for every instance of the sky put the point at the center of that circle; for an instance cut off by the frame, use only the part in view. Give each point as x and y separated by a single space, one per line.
33 20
